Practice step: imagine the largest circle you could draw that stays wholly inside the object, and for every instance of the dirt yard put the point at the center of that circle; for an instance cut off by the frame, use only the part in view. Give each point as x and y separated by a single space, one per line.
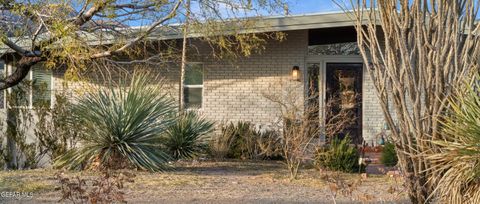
219 182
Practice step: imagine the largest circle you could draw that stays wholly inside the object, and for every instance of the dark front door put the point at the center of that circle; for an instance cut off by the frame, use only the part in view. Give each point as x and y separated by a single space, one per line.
344 100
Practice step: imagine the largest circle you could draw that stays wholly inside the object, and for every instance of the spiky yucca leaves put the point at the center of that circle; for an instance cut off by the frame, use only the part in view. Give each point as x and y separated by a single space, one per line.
186 137
457 161
123 125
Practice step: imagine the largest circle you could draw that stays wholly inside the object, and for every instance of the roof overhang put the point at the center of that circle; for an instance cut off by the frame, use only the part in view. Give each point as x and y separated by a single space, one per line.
260 24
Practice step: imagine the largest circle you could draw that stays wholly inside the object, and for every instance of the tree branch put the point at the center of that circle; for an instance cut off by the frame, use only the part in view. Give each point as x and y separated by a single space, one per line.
18 49
141 37
22 68
30 58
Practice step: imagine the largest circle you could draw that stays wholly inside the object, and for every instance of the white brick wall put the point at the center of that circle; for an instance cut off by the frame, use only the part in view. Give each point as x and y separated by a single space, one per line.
373 120
233 91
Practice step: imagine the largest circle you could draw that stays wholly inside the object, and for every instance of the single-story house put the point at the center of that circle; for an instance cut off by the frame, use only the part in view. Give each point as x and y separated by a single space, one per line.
319 54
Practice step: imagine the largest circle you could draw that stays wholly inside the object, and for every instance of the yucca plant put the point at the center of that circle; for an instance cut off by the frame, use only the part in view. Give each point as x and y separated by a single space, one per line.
186 137
456 158
123 125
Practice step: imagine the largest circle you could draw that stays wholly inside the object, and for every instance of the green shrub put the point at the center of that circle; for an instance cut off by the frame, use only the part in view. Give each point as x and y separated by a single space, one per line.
338 156
186 137
389 156
122 126
56 129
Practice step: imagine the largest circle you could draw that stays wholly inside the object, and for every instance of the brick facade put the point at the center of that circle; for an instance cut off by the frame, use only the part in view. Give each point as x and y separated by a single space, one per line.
234 91
373 120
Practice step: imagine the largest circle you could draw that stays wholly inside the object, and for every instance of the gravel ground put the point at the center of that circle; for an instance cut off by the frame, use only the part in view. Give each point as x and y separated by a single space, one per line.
220 182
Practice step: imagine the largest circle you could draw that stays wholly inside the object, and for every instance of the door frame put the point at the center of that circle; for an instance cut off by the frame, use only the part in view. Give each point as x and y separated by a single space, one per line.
322 60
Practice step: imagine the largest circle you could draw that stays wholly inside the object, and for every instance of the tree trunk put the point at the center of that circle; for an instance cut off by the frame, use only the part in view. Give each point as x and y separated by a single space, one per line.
184 58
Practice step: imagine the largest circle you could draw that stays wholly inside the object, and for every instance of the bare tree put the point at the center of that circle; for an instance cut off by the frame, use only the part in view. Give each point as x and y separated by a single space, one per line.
99 39
184 53
81 34
417 52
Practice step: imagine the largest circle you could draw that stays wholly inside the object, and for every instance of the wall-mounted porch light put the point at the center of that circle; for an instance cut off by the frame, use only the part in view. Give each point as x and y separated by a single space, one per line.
296 73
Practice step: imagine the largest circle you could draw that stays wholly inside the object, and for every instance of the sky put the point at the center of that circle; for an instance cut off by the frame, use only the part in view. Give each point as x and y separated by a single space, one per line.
312 6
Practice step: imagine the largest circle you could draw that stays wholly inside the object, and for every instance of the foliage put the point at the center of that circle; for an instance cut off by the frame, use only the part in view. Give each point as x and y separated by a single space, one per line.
242 141
54 127
300 121
220 144
338 156
19 153
389 155
415 67
3 155
458 161
244 145
56 130
186 137
59 24
107 188
298 134
123 125
270 144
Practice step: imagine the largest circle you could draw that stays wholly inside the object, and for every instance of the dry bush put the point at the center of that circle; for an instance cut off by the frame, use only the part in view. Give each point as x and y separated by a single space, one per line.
107 188
417 53
339 186
242 140
351 188
297 125
270 144
220 145
458 159
301 123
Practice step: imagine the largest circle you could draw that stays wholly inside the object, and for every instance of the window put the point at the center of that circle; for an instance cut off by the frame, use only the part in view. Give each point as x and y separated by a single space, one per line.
42 86
193 86
35 90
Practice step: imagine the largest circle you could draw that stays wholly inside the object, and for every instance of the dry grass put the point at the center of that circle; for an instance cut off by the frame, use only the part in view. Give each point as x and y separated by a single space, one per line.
26 181
212 182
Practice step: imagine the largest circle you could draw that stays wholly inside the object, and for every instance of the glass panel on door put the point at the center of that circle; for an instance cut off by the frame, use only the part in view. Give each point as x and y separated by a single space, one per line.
312 97
344 100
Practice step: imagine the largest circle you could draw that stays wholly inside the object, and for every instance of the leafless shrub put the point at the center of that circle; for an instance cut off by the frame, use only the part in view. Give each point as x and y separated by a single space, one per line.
337 185
107 188
417 53
301 122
